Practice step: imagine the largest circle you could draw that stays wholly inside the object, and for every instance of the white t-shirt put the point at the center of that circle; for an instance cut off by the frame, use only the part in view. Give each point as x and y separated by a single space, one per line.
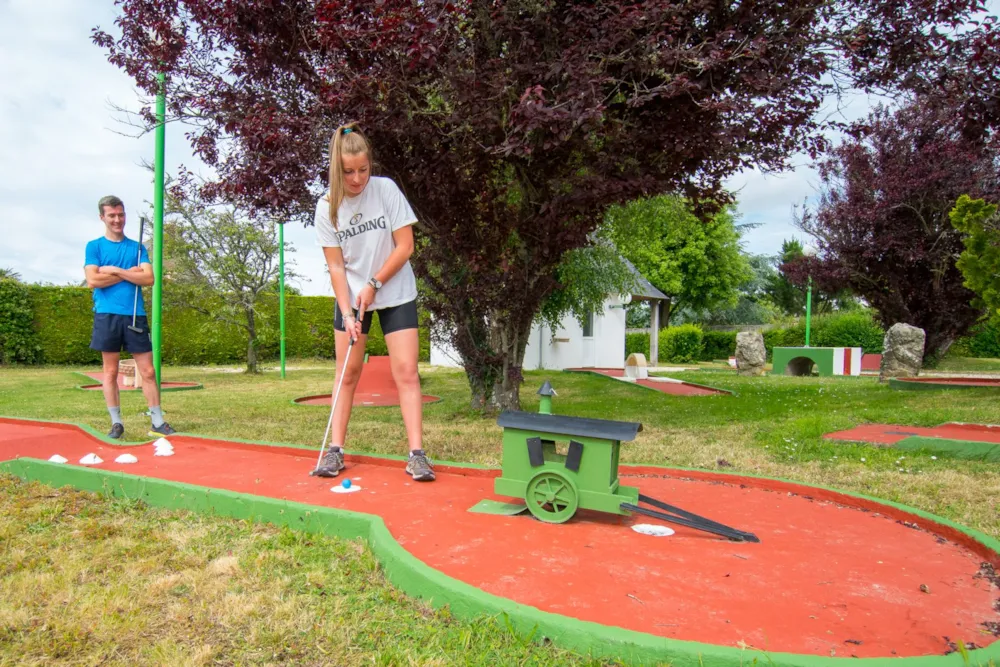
364 234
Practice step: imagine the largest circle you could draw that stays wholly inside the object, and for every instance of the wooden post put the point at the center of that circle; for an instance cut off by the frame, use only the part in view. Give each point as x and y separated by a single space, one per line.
654 334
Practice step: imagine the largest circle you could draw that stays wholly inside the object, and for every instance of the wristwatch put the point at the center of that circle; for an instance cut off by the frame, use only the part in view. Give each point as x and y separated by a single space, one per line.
375 283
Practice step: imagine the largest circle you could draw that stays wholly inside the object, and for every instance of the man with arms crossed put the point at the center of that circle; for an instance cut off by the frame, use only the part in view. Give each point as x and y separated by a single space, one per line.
115 275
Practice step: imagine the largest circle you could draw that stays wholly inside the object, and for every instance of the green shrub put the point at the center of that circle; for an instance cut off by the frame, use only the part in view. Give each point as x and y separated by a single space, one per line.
63 318
852 329
718 345
637 343
18 342
681 344
983 341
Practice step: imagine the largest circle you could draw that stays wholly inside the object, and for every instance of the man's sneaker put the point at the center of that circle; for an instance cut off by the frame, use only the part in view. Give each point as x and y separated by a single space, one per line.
117 431
420 468
331 465
161 430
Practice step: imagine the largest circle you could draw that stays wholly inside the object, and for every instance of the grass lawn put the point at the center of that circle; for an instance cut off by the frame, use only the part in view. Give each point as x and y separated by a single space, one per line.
85 580
967 365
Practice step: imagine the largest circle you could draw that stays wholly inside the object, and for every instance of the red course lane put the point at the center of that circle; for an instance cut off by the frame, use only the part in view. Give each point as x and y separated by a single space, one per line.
890 434
828 569
673 388
376 387
122 386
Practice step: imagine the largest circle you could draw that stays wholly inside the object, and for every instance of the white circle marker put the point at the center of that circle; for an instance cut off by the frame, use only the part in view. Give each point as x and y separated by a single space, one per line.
650 529
350 489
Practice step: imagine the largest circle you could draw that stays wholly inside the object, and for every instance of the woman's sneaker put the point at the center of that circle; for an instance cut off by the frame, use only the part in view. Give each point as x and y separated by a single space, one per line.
332 464
117 431
161 430
420 468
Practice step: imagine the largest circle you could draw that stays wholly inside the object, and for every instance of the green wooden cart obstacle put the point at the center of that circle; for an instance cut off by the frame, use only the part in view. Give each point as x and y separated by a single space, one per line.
559 464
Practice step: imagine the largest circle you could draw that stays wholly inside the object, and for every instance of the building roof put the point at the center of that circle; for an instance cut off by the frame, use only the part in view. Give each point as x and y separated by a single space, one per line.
644 289
583 427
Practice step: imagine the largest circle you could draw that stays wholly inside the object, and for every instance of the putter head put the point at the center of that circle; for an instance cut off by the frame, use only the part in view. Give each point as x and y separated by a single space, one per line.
137 330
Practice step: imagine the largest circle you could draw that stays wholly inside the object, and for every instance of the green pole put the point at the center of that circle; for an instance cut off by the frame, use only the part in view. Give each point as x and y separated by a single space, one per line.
809 300
156 325
281 292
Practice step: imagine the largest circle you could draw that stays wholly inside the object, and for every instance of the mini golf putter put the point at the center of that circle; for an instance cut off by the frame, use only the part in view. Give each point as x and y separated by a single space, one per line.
333 404
555 484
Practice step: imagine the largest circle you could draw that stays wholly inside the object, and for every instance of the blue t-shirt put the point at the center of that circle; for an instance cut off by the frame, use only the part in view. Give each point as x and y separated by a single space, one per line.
118 298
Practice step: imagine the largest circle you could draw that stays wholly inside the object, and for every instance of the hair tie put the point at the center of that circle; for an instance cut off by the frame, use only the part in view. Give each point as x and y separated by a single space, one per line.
347 130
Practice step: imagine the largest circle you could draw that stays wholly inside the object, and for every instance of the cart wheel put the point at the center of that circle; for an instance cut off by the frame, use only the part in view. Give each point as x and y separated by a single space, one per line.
551 496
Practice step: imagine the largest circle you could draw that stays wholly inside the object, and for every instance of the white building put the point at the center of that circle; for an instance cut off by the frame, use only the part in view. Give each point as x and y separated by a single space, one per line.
599 343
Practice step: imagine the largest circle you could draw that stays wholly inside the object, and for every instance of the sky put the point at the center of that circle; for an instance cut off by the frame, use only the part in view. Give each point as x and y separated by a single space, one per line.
63 147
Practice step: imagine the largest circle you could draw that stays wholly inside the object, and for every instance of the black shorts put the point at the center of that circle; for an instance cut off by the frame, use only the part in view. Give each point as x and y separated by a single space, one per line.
392 319
111 334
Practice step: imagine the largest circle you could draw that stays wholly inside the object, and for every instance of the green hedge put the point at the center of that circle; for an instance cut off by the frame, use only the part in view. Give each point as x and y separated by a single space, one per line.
637 343
853 329
718 345
63 318
18 343
681 344
983 341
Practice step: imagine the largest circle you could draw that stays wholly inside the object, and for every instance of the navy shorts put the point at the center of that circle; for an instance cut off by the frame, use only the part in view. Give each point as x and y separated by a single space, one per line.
112 334
392 319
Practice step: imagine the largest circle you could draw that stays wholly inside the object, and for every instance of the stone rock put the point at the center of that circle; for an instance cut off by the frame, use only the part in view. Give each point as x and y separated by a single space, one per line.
903 352
750 353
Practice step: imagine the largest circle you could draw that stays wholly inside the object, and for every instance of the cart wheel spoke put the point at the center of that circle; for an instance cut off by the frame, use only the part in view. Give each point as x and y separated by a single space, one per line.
551 496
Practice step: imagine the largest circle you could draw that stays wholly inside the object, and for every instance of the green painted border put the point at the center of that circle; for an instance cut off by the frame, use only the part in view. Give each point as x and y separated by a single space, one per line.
903 385
417 579
728 392
194 386
437 399
972 450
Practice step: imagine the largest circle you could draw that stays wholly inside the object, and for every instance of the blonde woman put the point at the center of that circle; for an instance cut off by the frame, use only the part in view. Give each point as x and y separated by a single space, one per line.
363 224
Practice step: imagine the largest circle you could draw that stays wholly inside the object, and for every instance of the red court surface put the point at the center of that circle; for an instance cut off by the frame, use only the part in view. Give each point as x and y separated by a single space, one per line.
953 382
665 385
890 434
375 387
831 575
121 383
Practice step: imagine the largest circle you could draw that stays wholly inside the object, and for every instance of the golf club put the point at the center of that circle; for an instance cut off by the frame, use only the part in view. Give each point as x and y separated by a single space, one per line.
336 396
138 260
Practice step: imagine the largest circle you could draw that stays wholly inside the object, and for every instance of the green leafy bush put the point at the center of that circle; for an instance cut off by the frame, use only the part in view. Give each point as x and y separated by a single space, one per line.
852 329
718 345
983 342
637 343
18 342
681 344
63 318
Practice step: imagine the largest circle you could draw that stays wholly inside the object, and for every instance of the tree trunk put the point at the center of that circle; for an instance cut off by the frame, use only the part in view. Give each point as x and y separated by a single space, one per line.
251 342
493 356
479 388
509 338
666 310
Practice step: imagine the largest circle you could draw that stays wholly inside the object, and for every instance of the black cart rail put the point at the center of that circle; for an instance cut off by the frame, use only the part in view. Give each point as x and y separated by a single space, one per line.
684 518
